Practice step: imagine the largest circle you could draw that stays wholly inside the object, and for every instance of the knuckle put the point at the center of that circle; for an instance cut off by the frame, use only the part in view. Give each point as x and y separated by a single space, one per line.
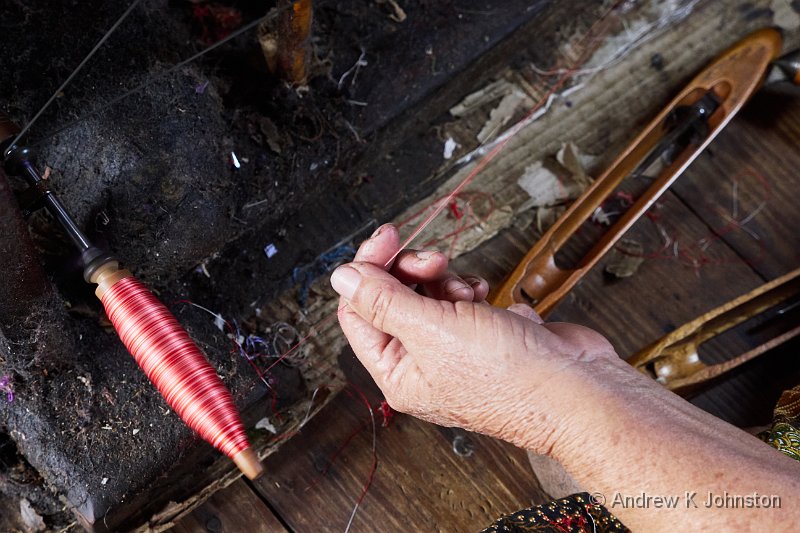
379 302
345 312
530 342
397 403
464 310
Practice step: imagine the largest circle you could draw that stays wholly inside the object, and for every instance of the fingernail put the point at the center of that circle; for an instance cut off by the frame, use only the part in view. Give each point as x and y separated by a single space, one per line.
453 285
378 231
345 281
526 311
472 282
425 255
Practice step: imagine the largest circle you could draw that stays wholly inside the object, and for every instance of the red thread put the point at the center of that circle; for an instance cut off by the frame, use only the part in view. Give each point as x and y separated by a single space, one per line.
374 466
335 455
175 365
439 205
387 412
216 21
314 331
332 459
232 334
464 216
510 134
696 253
626 198
457 214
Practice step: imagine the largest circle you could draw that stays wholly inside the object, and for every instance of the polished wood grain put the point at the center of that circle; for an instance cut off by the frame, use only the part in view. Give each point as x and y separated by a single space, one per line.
675 361
732 78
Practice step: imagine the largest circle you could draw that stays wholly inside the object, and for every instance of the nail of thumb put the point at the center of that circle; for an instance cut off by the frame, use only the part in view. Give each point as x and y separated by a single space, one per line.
345 281
526 311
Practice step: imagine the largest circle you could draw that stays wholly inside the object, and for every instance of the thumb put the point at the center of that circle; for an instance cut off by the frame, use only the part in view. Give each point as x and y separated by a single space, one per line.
384 302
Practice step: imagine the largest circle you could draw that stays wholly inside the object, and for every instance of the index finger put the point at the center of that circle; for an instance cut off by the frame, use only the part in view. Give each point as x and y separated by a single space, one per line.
380 247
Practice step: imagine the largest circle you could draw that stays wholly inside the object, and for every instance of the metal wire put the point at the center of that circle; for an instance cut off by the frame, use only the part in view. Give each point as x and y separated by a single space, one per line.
244 29
72 75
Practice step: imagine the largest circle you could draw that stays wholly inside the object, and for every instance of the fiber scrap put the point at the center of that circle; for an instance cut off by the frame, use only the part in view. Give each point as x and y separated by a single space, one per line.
6 388
626 258
324 264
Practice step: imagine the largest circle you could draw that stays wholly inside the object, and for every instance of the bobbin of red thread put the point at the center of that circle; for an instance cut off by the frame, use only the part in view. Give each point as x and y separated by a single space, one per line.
174 364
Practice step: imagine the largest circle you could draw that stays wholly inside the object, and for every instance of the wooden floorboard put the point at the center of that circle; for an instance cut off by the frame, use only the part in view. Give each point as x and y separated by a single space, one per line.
758 153
749 174
420 484
232 510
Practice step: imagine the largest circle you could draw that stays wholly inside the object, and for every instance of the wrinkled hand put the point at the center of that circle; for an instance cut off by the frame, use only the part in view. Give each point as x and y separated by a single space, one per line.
439 352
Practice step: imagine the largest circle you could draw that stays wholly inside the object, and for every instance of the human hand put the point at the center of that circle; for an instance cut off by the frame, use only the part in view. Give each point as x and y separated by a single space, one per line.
449 358
555 389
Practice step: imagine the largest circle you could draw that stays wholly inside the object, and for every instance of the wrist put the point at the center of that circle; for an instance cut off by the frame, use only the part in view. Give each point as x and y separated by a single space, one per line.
559 416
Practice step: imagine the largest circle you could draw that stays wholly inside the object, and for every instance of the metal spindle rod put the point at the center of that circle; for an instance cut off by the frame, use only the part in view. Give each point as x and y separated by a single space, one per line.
57 209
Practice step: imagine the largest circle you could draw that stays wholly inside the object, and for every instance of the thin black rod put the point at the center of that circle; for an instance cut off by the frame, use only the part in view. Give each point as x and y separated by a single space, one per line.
57 209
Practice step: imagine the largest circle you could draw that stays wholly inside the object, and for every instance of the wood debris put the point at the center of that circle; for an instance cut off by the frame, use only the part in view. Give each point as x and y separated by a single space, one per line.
625 259
572 159
509 100
397 14
286 40
785 14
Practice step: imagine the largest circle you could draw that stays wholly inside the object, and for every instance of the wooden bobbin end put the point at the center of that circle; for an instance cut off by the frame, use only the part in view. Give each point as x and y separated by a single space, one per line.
106 276
248 463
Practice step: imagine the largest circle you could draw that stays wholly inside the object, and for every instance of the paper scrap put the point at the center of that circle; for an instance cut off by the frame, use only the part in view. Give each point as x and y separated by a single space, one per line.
501 115
625 259
545 187
450 146
270 250
265 424
32 520
572 159
785 16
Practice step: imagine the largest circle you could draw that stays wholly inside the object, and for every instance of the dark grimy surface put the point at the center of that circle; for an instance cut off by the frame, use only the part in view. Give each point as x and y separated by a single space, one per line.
152 179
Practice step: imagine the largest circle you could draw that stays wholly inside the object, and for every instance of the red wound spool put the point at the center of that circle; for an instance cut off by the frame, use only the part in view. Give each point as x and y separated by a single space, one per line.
175 365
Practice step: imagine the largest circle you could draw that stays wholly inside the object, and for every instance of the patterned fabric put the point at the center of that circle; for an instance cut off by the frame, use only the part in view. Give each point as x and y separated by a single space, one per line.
784 438
577 513
784 434
574 513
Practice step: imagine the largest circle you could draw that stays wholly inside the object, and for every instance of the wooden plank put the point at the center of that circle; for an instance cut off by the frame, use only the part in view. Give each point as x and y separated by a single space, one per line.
747 396
603 109
420 483
758 153
235 509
